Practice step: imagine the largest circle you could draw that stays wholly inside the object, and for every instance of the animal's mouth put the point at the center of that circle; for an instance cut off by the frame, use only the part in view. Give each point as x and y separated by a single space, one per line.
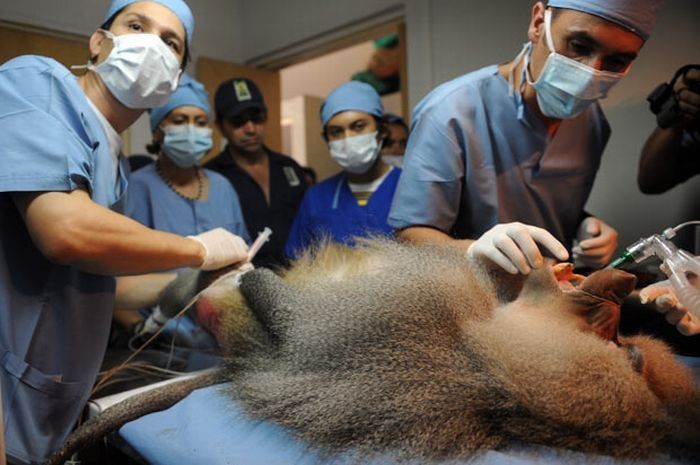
595 299
565 276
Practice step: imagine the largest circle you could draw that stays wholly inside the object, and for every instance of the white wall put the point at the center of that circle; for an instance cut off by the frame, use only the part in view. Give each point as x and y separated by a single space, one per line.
318 77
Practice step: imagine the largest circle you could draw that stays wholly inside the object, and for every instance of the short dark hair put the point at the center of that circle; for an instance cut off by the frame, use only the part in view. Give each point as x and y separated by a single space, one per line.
390 119
107 24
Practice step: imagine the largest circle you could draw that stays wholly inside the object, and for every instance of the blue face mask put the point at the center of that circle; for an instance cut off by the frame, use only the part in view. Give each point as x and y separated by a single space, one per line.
566 87
186 144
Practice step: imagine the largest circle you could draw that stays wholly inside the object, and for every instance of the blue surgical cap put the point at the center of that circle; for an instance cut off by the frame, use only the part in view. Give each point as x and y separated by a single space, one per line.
188 93
352 96
179 7
638 16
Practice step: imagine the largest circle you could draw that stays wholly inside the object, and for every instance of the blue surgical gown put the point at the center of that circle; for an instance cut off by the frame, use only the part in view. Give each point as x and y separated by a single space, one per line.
477 156
54 319
151 202
330 210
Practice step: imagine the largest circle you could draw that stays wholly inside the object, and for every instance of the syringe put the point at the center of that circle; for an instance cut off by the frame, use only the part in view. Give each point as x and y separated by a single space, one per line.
263 236
157 319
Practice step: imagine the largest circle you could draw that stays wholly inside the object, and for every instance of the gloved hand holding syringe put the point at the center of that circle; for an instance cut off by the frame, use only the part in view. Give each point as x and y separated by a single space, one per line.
679 297
181 293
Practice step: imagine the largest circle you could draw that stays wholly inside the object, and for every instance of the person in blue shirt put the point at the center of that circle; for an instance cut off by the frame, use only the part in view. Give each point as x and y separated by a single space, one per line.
356 201
504 158
62 237
174 194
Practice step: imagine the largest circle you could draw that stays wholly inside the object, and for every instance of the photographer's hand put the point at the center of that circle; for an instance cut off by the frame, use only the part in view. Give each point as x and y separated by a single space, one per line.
687 90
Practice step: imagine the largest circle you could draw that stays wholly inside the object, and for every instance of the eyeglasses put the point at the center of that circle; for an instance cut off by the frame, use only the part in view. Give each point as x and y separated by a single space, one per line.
256 115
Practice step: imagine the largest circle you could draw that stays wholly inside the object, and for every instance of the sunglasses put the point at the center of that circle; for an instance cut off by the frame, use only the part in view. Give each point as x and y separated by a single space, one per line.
256 115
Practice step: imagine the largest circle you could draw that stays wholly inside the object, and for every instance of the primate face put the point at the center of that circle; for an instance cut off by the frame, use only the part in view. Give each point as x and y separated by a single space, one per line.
593 302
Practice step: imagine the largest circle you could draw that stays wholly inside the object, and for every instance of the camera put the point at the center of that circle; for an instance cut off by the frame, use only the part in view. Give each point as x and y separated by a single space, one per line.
663 101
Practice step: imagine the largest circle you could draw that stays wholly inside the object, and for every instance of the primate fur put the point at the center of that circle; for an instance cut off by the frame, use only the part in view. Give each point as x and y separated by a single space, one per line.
420 352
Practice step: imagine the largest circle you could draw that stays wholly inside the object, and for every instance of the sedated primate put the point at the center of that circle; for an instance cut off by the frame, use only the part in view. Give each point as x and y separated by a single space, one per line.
421 352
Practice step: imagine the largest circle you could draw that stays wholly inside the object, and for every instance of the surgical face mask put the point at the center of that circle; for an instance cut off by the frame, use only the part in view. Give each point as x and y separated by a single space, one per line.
566 87
393 160
186 144
356 154
140 71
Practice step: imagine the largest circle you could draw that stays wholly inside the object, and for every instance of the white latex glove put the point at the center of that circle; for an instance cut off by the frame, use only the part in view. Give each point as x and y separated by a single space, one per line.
667 303
513 247
595 243
222 248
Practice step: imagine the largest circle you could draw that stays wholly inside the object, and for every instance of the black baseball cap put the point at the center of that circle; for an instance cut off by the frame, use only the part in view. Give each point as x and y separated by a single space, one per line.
235 95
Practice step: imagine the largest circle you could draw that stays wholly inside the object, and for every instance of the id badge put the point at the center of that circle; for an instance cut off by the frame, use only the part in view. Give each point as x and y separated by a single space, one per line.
291 175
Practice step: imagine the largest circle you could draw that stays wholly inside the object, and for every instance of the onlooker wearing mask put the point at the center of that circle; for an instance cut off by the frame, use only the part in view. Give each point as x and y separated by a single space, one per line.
174 194
504 158
269 185
62 237
356 201
396 140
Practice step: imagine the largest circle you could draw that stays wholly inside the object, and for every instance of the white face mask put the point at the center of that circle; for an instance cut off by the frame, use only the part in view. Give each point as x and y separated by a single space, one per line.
186 144
393 160
140 71
356 154
567 87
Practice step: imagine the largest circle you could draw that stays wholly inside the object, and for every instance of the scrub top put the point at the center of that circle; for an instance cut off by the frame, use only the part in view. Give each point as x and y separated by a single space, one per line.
54 319
477 156
330 210
151 202
287 187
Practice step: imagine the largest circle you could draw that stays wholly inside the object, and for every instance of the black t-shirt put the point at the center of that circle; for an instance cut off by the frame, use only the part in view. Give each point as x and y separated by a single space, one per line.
287 187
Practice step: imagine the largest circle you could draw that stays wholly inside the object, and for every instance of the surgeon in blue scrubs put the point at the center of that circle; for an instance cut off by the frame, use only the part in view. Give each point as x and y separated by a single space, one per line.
503 159
356 201
62 238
